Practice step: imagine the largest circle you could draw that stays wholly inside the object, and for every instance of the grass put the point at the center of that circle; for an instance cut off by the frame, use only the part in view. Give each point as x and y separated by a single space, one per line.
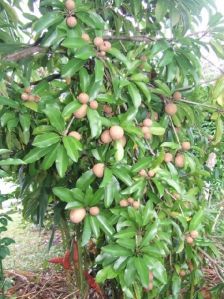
30 251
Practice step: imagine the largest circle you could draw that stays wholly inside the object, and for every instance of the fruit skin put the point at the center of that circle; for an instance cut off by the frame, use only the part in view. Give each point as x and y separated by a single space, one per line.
147 122
186 146
136 204
83 98
151 173
105 46
107 109
194 234
189 240
85 37
81 112
182 273
98 170
179 161
71 22
151 276
123 141
130 201
75 134
28 90
168 157
105 137
94 211
116 132
123 203
93 105
143 173
70 4
145 130
101 54
77 215
148 135
177 96
24 96
171 109
98 41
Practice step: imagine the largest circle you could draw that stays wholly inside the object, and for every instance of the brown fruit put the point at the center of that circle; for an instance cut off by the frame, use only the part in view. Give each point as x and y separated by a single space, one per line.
75 134
136 204
98 170
168 157
148 135
77 215
105 137
28 90
123 203
177 96
151 276
68 80
116 132
182 273
186 146
33 98
81 112
145 130
25 96
143 173
71 22
93 105
36 98
94 211
83 98
171 109
130 201
107 109
189 240
179 161
151 173
98 41
105 46
147 122
86 37
194 234
101 54
123 141
70 5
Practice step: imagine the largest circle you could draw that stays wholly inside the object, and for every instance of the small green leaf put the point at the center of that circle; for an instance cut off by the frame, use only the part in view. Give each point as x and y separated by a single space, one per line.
63 193
62 161
95 122
46 21
196 220
72 67
11 161
72 147
86 234
135 95
99 70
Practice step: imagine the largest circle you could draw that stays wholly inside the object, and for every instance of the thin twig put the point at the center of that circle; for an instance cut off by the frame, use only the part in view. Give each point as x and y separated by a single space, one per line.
203 105
69 125
174 130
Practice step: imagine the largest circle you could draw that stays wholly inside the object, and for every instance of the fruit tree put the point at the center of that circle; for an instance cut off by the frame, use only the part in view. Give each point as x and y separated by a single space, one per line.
102 105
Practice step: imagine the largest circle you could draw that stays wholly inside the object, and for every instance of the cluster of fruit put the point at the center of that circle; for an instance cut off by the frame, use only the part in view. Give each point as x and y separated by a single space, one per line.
84 100
78 214
179 160
171 108
28 96
71 20
147 173
191 237
130 202
102 46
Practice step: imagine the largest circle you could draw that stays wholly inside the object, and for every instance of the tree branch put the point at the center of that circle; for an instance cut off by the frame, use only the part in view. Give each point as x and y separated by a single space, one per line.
136 38
25 53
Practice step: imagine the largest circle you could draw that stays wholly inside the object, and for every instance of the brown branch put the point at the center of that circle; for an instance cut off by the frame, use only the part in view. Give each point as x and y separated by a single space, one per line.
137 38
25 53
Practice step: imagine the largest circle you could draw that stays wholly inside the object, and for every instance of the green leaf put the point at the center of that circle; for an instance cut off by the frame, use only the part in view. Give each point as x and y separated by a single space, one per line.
95 122
99 70
123 174
106 178
4 151
72 67
219 131
63 194
85 180
150 234
105 226
8 102
95 226
142 164
117 54
85 53
86 234
11 161
45 140
154 130
74 43
176 285
72 147
36 154
142 270
55 117
145 90
71 108
161 10
62 161
110 191
196 220
135 95
84 79
50 158
106 273
116 250
46 21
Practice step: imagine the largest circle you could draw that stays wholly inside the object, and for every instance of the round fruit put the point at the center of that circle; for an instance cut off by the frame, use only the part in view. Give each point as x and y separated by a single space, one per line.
148 135
32 98
179 161
94 211
116 132
189 240
177 96
151 173
107 109
71 22
77 215
105 137
70 5
194 234
75 134
94 105
105 46
168 157
98 170
86 37
36 98
145 130
81 112
28 90
151 276
147 122
171 109
123 141
123 203
101 54
83 98
186 146
130 201
143 173
136 204
182 273
98 41
24 96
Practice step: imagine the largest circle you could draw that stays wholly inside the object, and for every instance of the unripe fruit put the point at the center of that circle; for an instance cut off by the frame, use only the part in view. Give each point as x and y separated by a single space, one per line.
24 96
147 122
186 146
86 37
151 173
189 240
123 141
94 211
75 134
105 137
83 98
143 173
168 157
177 96
71 22
116 132
93 105
171 109
194 234
77 215
81 112
179 161
182 273
107 109
130 201
148 135
98 41
105 46
123 203
136 205
70 5
98 170
145 130
28 90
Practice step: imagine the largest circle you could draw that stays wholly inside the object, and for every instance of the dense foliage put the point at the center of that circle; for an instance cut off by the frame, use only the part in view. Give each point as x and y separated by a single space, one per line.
102 114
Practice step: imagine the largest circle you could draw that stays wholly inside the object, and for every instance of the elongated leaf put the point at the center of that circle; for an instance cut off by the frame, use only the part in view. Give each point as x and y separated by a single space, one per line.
99 70
62 161
142 271
46 21
86 234
94 122
72 67
72 146
105 226
71 108
196 220
116 250
63 193
8 102
50 158
36 154
55 118
135 95
11 161
45 140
